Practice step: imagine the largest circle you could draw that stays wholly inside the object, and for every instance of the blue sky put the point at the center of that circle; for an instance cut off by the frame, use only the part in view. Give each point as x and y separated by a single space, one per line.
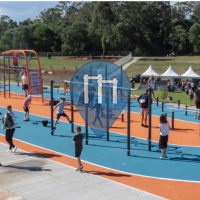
21 10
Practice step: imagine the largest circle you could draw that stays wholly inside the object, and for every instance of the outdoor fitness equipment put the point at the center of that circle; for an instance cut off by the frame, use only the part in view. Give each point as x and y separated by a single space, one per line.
86 124
27 60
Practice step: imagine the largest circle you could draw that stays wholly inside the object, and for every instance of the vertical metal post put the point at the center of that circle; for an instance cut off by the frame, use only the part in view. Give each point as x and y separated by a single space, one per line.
107 107
162 106
121 83
72 108
9 74
52 107
166 115
4 78
173 119
122 117
172 30
86 124
128 123
149 131
179 104
185 109
157 101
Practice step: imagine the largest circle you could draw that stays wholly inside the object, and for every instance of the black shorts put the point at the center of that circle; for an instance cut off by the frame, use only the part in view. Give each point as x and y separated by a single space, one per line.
15 64
198 104
25 87
77 154
163 141
59 115
26 109
187 92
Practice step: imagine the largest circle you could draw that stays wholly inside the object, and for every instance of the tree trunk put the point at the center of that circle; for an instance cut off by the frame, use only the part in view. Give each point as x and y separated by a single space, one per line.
103 43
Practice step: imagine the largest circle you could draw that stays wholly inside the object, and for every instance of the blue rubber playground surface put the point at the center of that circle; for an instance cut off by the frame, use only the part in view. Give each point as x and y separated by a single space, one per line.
182 162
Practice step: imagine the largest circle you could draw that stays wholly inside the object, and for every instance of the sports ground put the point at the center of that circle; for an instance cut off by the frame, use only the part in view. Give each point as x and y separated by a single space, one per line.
175 177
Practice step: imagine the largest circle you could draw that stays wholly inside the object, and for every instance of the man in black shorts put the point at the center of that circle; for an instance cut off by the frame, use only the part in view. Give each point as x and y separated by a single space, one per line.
197 102
78 140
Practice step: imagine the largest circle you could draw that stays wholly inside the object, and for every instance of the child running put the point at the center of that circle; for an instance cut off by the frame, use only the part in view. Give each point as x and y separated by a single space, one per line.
164 132
26 107
60 111
78 140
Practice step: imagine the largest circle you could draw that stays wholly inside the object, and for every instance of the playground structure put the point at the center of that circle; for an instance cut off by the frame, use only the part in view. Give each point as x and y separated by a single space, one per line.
6 70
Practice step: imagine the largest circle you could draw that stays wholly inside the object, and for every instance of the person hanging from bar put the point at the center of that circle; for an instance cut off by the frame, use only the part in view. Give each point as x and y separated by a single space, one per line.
15 61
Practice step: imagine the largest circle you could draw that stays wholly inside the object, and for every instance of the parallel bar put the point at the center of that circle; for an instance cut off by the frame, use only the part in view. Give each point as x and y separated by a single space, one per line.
128 123
149 131
52 107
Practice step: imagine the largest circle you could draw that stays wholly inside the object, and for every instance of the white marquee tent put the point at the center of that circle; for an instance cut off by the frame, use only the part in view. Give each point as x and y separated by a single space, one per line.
170 73
190 73
150 71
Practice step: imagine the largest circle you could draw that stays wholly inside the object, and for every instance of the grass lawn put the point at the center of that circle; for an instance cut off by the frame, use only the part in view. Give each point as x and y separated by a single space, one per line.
161 64
175 96
54 62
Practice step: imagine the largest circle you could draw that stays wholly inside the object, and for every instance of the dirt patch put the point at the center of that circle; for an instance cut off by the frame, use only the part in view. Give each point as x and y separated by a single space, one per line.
89 60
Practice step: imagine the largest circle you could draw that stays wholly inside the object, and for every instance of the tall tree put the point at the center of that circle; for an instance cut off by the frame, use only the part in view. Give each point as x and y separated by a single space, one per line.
195 37
102 17
75 37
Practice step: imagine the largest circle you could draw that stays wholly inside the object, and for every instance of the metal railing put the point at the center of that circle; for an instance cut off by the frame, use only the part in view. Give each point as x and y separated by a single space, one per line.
192 111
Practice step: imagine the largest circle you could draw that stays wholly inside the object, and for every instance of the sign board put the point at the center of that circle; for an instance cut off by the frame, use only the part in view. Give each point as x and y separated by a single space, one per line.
35 83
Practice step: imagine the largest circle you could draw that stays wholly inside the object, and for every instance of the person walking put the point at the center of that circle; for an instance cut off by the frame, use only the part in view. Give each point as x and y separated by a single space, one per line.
168 85
164 132
191 93
186 90
78 141
183 85
197 101
143 101
25 83
98 108
60 111
152 84
179 86
192 86
9 124
91 95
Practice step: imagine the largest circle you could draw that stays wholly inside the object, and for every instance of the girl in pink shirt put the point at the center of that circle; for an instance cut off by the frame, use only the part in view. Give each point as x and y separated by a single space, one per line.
26 106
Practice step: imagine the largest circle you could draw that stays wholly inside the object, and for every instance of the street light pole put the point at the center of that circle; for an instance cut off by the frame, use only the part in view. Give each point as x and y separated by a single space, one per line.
172 28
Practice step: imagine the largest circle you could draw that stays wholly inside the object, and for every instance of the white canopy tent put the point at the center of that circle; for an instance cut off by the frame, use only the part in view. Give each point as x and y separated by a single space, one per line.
170 73
190 73
150 71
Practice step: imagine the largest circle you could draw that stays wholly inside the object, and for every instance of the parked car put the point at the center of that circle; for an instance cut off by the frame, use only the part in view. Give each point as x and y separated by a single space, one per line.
136 79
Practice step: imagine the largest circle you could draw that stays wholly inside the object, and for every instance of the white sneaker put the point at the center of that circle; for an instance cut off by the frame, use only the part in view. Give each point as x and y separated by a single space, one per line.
163 156
14 149
9 151
194 117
